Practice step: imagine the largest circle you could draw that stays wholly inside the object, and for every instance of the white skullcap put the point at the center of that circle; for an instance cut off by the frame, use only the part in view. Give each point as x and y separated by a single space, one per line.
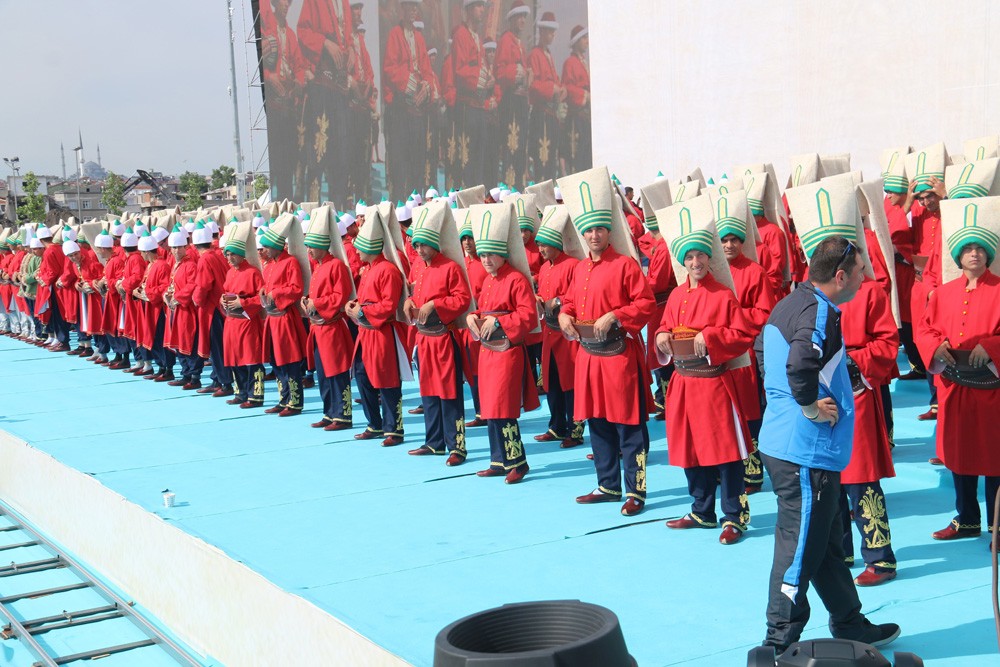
35 243
558 193
69 247
203 235
159 234
403 213
104 241
43 232
147 244
117 228
346 219
212 226
129 240
177 240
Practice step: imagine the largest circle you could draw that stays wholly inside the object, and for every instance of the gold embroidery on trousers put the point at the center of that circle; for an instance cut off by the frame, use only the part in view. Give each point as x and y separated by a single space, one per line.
348 403
543 146
577 432
463 149
744 510
513 138
399 416
258 384
294 395
513 447
876 531
753 473
319 144
459 434
640 473
281 390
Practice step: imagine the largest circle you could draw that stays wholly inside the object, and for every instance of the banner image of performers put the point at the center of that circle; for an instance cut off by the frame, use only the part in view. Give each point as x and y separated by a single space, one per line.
384 97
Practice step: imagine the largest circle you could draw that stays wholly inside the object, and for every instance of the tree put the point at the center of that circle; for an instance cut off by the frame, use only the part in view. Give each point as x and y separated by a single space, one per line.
31 207
260 185
113 195
223 176
192 186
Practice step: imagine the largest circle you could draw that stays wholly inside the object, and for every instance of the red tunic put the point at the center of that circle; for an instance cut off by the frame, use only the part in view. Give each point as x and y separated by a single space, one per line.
608 387
753 292
157 281
555 279
635 227
353 258
111 322
88 271
509 385
772 254
477 276
926 243
902 241
182 323
872 340
404 70
966 441
48 272
67 296
576 78
510 54
535 265
135 271
448 91
330 290
378 293
544 79
705 423
318 22
284 336
661 280
468 61
242 336
441 281
212 270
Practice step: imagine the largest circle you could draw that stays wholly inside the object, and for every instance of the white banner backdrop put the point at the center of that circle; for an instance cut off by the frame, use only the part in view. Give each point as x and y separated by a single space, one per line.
679 84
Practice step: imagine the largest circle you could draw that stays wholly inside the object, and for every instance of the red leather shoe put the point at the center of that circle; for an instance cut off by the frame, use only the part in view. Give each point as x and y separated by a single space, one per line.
166 377
246 405
290 412
870 577
730 535
234 401
144 373
686 522
423 450
953 532
751 489
133 369
660 416
935 461
357 400
368 434
490 472
454 459
598 496
222 392
392 441
274 410
190 386
322 423
590 457
61 347
632 507
419 410
548 436
75 352
153 376
913 375
338 426
475 423
571 442
517 474
929 416
102 362
210 389
117 365
308 383
177 383
269 377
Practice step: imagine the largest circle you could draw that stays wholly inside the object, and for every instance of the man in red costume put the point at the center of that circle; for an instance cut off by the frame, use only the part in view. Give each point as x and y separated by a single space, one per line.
512 76
211 278
477 276
182 331
576 151
473 85
284 334
546 94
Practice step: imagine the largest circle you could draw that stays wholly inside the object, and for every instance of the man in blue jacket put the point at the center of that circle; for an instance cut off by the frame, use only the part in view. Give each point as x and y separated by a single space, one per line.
805 442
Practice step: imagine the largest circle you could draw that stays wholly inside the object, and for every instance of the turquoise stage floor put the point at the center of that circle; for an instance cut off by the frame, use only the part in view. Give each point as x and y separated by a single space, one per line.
398 547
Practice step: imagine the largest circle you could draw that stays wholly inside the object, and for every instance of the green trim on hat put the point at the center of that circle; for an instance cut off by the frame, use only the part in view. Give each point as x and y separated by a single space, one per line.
550 237
492 247
923 178
652 223
896 184
965 190
524 221
271 239
827 226
727 224
591 217
690 239
368 246
465 231
317 241
236 247
426 237
970 232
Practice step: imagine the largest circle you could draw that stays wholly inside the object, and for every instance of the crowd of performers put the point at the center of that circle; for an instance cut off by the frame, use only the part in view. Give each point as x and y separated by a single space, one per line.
577 290
477 95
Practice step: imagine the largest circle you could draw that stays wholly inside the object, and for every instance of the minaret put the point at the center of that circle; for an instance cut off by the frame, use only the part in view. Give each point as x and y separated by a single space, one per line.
62 151
99 156
80 166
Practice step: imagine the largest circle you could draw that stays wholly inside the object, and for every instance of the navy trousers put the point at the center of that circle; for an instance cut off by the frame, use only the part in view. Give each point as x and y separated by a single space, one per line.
703 482
335 392
383 408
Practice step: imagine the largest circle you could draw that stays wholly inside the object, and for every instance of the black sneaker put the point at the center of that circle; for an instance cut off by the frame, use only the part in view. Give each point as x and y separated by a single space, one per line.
871 634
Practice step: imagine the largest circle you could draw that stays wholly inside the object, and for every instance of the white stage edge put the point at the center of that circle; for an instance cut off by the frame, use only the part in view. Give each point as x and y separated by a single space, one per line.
216 605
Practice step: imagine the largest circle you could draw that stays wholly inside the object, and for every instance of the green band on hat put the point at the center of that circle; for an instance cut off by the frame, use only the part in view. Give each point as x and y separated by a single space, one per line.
652 223
972 233
964 189
492 247
237 247
827 225
550 237
466 232
318 241
272 239
427 237
734 226
756 206
526 222
368 246
895 184
700 239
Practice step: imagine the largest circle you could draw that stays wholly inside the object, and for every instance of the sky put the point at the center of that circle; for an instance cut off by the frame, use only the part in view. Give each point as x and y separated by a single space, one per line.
148 81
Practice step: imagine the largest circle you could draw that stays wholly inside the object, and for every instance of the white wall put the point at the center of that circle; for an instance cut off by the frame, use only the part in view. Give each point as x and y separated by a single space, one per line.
679 84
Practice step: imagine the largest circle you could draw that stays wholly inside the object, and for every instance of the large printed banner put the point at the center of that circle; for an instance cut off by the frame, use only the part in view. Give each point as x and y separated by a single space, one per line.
365 99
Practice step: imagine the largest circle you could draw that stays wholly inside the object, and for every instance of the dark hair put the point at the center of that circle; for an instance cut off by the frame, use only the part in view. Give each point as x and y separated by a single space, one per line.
202 245
831 255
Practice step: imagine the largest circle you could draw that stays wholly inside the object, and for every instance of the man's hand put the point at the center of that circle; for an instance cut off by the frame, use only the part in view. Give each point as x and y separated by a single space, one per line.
353 309
603 325
663 340
911 194
470 321
943 354
937 185
335 52
979 357
700 347
410 310
489 326
566 324
822 411
425 312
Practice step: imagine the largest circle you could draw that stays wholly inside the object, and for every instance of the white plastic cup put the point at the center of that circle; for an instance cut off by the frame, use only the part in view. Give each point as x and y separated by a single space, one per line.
168 499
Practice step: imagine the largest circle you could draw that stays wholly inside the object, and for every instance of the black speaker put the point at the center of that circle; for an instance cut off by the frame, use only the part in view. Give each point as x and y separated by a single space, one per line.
828 653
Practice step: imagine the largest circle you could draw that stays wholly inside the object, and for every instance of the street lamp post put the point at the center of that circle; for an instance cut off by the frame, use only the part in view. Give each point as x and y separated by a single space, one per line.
79 175
13 163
